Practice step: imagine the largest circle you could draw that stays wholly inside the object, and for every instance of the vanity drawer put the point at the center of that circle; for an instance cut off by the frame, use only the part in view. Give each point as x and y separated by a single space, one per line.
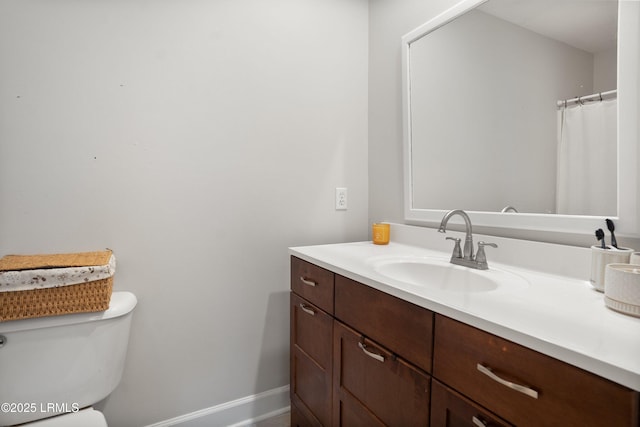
566 395
372 383
400 325
313 283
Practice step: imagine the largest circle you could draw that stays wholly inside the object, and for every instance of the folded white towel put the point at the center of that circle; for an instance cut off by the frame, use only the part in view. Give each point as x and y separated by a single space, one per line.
24 280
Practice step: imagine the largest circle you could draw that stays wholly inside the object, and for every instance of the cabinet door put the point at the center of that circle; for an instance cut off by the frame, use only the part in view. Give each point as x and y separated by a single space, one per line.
396 324
373 387
311 361
523 386
300 419
450 409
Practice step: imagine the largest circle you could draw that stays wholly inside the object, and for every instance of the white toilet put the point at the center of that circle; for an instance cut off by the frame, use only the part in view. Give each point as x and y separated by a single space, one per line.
52 369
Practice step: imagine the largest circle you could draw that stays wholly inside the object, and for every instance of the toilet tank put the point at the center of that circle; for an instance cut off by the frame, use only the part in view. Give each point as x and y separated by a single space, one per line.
59 364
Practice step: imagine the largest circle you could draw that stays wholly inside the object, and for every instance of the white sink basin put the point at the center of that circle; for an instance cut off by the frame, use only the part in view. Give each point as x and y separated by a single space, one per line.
440 274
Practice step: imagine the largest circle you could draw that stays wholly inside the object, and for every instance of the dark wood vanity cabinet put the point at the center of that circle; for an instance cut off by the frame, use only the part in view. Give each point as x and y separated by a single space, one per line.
361 357
343 372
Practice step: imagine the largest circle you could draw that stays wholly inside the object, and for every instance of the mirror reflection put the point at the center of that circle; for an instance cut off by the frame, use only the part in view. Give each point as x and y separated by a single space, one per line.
513 108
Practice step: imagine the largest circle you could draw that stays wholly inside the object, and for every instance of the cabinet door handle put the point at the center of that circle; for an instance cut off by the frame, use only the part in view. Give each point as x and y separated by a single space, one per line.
307 282
478 422
378 357
307 309
517 387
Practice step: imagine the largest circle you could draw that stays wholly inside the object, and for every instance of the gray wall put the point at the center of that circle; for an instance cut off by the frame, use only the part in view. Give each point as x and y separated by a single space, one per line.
198 140
389 20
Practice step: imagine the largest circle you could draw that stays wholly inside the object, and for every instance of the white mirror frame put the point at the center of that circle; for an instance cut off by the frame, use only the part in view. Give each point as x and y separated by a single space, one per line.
628 219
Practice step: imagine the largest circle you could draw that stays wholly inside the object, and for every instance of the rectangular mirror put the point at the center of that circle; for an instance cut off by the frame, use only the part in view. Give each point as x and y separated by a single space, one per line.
511 112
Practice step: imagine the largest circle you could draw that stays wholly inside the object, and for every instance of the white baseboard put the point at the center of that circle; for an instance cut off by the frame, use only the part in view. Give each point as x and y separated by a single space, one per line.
236 413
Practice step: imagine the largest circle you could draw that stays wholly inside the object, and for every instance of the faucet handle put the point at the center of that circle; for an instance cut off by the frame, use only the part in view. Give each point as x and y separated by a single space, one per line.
481 257
457 252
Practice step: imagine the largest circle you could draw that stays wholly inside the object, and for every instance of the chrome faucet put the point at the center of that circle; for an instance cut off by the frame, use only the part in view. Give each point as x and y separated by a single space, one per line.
466 256
467 253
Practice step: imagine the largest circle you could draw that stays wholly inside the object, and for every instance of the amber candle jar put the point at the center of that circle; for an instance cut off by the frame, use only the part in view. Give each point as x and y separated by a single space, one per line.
380 233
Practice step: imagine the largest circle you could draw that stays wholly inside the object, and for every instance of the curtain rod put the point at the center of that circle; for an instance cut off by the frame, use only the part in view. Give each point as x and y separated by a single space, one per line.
596 96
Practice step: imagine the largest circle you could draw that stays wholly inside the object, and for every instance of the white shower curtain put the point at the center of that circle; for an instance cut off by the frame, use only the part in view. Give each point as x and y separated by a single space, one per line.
587 159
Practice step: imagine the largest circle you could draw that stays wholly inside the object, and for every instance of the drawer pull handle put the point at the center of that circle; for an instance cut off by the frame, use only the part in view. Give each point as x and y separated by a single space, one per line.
378 357
307 309
517 387
307 282
478 422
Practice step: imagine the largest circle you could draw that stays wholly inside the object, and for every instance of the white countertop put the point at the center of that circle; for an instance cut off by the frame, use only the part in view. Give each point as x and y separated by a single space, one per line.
557 314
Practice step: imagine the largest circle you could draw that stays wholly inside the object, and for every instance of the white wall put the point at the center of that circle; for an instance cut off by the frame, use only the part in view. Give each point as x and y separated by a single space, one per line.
198 139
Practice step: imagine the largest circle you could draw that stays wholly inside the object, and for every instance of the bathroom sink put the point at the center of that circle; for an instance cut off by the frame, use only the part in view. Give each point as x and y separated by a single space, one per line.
440 274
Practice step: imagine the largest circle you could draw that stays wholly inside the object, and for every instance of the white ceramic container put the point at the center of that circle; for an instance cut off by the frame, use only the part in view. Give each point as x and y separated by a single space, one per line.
622 288
599 260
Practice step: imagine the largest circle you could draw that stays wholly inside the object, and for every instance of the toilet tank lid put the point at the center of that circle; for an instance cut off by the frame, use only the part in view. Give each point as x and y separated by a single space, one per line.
121 303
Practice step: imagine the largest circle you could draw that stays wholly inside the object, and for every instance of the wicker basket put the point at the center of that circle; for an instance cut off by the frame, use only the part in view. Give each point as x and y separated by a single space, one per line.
88 296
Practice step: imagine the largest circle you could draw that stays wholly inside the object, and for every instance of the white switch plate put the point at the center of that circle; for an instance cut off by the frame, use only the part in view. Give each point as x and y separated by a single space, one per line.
341 198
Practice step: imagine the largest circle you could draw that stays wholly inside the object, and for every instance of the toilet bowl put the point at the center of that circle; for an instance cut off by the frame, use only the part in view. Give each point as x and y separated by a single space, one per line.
55 368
